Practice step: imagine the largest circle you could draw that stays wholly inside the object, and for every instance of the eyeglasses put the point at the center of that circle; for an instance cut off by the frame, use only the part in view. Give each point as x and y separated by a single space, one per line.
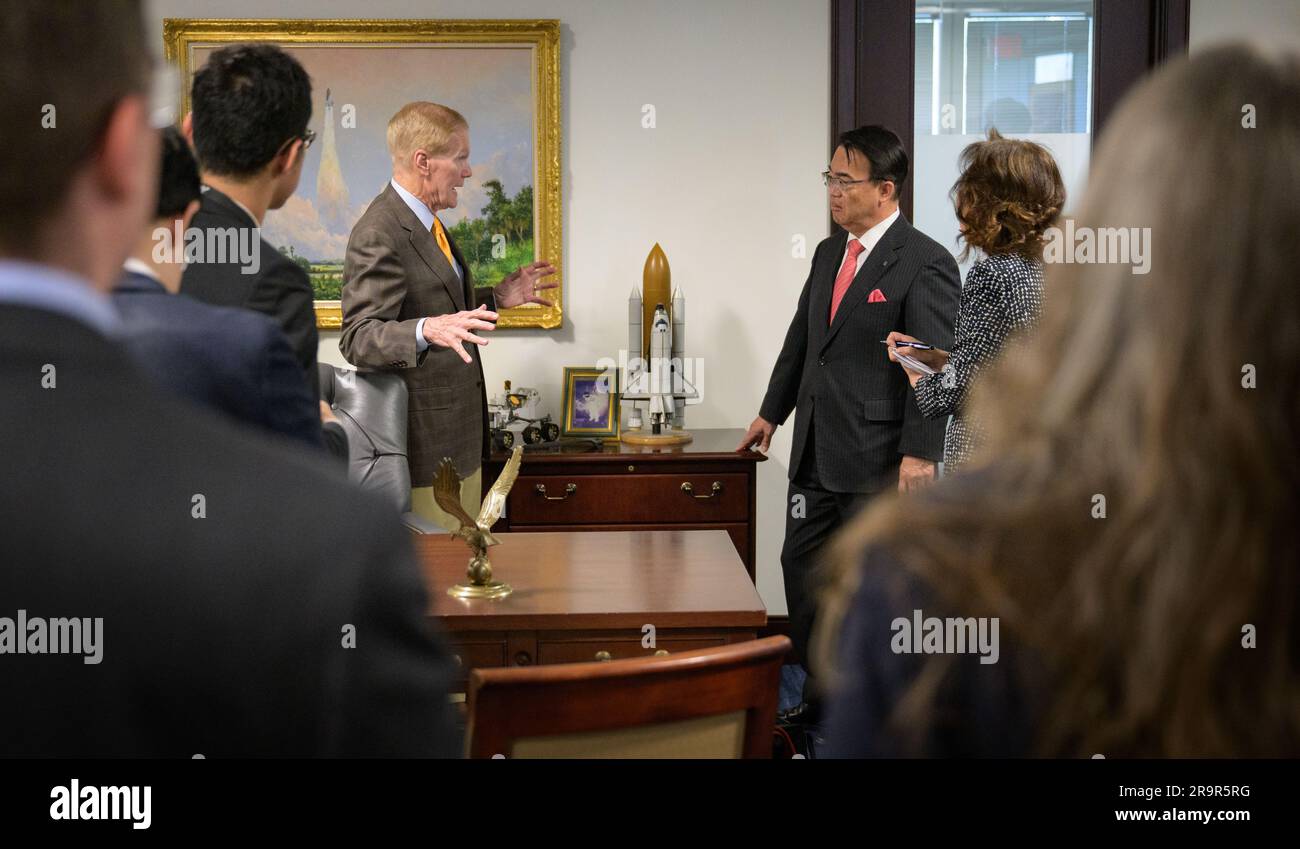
839 183
308 136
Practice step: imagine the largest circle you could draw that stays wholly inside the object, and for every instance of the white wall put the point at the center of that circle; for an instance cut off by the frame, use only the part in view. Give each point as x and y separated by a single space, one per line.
725 182
1273 21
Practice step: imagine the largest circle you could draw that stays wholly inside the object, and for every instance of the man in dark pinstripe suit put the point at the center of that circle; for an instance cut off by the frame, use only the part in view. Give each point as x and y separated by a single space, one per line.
859 430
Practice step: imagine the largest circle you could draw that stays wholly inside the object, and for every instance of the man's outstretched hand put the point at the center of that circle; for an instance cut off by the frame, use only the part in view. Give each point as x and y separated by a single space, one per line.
454 329
522 285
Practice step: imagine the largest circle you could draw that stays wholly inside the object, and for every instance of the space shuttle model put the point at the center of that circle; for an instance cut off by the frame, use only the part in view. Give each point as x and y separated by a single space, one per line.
656 341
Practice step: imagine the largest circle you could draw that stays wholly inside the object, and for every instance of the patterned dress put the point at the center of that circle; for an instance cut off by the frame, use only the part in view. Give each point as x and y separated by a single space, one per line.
1002 294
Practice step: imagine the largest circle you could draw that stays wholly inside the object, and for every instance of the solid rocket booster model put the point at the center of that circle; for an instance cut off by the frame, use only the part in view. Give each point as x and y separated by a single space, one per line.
656 334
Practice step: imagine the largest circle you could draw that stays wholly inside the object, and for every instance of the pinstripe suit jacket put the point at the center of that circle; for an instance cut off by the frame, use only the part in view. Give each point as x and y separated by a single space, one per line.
838 374
394 275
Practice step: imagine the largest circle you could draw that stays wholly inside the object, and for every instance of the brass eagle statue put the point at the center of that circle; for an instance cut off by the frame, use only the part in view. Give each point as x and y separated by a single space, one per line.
477 533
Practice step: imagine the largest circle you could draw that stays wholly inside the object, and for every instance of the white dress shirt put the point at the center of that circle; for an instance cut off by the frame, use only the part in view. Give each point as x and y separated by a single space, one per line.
425 215
868 240
139 266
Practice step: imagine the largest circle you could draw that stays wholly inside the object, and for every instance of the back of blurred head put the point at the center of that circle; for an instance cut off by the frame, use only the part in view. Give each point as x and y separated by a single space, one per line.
162 243
80 158
1142 389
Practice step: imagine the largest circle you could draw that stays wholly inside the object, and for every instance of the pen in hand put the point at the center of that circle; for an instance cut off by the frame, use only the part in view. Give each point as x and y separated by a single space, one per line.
920 346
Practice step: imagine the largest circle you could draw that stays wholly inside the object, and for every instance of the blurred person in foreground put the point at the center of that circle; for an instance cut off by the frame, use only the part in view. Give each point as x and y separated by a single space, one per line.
178 586
1131 521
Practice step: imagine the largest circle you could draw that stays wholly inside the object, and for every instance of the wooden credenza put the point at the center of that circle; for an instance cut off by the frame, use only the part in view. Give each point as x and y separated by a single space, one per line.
587 597
703 485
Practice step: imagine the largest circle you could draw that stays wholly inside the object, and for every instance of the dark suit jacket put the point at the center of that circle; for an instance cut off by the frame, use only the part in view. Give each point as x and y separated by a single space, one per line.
839 375
232 360
222 635
280 288
394 275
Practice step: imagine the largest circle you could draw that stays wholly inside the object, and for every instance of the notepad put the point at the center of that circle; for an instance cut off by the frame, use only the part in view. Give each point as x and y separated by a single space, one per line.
913 363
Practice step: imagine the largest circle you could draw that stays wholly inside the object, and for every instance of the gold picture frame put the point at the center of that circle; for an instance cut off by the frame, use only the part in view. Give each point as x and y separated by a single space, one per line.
181 36
602 381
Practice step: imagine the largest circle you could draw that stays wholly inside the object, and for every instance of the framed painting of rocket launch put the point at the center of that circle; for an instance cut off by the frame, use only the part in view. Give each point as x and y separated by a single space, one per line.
503 76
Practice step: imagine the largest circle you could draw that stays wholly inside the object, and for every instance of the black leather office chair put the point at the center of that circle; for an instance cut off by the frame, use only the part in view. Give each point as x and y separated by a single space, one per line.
371 406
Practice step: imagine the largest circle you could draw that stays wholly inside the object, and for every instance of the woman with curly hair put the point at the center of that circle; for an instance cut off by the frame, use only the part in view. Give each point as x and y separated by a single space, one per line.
1008 194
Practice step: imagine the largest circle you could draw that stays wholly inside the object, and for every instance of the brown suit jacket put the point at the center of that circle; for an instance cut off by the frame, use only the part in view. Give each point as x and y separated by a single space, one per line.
394 275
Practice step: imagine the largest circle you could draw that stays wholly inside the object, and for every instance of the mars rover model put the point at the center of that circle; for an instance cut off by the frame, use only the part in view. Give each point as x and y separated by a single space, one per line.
514 416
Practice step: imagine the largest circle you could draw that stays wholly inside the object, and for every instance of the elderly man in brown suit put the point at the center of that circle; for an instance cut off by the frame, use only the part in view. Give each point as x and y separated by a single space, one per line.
410 305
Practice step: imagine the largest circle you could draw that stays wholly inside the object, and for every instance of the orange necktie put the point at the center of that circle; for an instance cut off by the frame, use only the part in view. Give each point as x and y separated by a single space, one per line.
440 235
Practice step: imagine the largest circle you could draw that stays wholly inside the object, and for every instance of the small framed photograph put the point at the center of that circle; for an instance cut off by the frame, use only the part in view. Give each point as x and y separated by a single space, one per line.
590 402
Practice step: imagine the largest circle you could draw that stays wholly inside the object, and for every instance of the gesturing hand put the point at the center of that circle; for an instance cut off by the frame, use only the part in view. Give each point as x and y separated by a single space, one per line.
522 285
453 329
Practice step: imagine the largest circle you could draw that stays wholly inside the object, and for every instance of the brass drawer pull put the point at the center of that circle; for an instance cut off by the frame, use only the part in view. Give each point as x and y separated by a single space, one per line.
661 653
716 489
603 656
569 489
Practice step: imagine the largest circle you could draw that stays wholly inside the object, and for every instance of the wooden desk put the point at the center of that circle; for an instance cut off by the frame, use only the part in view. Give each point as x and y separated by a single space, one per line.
621 487
578 595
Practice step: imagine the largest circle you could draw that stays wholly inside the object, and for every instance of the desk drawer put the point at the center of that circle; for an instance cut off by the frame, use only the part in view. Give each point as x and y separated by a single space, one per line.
479 655
612 499
582 651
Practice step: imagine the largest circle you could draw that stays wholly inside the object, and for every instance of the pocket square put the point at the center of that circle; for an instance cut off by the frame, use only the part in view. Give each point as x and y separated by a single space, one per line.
876 297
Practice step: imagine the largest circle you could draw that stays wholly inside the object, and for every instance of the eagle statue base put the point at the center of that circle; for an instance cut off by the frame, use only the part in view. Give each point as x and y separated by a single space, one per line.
480 583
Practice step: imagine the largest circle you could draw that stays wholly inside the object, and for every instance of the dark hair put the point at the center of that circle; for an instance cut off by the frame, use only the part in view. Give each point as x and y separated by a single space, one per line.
883 150
248 100
178 178
56 108
1008 194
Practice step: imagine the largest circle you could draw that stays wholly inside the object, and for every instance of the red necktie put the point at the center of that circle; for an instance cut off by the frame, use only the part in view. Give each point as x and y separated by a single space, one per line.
844 279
